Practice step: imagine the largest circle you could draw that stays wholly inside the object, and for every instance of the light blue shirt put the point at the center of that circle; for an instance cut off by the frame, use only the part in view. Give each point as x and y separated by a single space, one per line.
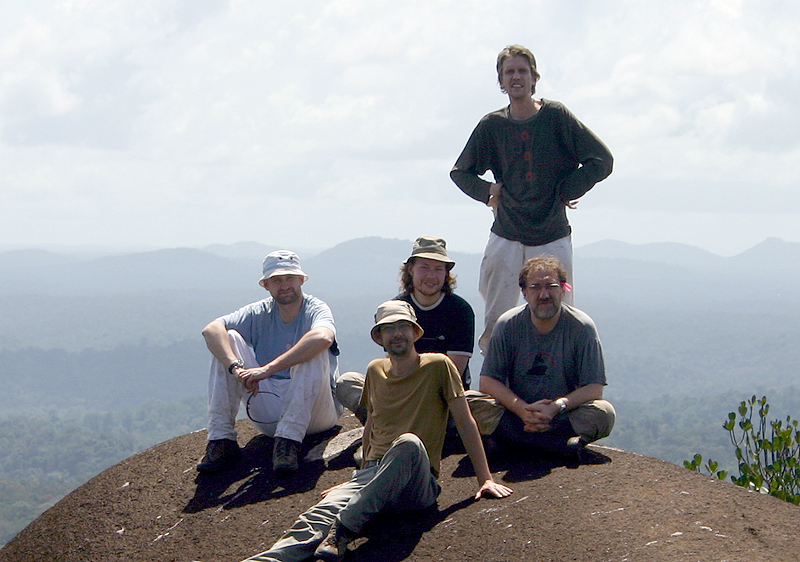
261 327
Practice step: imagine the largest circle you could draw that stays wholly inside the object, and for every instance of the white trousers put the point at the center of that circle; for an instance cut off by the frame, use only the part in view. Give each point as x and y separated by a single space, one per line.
499 281
289 408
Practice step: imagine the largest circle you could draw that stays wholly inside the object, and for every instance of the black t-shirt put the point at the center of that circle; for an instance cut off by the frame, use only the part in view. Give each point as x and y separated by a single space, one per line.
449 326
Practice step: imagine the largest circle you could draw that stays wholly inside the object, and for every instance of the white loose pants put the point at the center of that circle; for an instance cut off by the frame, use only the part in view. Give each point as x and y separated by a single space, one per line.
499 281
289 408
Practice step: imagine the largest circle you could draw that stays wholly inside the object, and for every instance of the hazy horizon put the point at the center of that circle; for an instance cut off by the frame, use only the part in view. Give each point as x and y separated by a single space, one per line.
107 249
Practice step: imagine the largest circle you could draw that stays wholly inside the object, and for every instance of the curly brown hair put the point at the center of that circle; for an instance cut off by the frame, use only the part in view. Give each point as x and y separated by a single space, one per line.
407 282
543 263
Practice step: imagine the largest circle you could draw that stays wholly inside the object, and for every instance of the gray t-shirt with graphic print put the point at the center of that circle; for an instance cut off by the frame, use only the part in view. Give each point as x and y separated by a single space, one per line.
536 366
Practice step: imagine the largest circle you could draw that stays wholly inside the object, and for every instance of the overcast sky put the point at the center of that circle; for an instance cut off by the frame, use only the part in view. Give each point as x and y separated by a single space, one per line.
303 124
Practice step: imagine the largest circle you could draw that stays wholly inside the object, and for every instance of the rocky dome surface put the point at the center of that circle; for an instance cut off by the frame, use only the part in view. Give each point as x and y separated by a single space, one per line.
612 506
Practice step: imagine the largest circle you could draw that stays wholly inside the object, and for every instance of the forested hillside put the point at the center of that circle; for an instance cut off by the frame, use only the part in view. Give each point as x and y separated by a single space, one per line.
45 456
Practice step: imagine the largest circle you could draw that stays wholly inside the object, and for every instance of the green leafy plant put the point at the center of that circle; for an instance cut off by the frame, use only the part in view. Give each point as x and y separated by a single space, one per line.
768 452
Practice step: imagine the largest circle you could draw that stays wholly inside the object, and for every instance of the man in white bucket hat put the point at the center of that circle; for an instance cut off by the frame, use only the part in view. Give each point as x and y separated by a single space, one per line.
278 356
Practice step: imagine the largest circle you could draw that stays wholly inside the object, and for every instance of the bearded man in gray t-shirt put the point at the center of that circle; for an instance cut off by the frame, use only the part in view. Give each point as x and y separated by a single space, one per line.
543 377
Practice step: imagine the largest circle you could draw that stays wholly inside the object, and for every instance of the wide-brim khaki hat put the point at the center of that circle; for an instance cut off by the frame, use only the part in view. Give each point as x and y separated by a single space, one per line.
432 248
393 311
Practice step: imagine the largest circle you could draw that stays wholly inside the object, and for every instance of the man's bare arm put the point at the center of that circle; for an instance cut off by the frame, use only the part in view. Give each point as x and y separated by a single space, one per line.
507 398
460 361
311 344
468 430
587 393
216 336
545 410
581 395
365 440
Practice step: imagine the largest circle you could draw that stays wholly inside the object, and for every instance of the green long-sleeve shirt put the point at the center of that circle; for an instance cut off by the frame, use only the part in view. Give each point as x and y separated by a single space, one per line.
542 162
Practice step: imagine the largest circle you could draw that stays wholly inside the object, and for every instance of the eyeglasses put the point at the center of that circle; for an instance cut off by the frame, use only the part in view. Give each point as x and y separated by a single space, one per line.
396 327
549 287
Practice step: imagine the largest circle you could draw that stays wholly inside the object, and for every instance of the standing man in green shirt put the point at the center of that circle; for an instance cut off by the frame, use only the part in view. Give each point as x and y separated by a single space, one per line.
542 159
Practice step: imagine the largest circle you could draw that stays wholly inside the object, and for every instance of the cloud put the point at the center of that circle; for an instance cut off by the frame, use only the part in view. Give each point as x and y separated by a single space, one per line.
147 122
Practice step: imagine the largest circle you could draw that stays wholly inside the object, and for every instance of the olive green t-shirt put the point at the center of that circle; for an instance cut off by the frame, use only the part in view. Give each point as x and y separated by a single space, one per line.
414 403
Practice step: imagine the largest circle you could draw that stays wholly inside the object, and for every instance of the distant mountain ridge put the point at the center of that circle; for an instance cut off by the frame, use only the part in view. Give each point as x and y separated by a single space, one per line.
678 276
672 318
671 253
772 252
367 268
221 266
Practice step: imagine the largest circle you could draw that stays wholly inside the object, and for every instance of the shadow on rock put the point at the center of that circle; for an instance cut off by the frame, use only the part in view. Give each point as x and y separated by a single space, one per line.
392 537
259 483
344 458
527 465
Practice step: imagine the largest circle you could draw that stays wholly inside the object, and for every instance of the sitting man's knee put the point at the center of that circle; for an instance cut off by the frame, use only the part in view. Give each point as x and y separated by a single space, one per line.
234 337
593 420
486 410
609 418
408 443
349 387
408 438
350 382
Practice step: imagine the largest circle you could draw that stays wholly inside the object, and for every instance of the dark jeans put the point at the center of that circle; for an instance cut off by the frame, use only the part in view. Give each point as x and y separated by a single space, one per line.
510 431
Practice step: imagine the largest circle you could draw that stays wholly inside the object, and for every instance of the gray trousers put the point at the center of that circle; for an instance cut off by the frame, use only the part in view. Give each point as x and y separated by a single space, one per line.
402 480
592 420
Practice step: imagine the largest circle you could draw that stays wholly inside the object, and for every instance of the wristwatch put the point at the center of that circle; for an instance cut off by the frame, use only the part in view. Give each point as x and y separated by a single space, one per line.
237 363
562 404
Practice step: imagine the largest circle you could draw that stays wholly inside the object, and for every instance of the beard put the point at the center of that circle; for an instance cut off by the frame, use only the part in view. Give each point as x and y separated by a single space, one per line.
399 347
545 310
287 297
426 290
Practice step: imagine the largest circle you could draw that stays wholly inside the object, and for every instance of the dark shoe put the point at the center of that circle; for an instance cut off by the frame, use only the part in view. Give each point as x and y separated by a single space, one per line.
575 451
358 456
221 454
284 456
334 547
576 443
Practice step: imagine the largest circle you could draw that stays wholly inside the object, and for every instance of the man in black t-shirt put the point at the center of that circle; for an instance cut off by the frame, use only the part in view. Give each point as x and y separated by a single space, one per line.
427 284
448 320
